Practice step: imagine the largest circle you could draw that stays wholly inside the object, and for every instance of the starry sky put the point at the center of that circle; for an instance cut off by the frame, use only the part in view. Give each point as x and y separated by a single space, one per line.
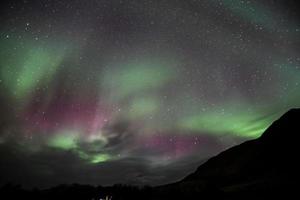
139 91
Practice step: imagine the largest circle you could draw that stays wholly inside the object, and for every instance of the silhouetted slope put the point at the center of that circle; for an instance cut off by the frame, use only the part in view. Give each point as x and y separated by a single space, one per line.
258 166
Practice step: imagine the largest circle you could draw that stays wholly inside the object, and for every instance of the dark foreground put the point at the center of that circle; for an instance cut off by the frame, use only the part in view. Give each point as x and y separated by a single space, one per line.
263 168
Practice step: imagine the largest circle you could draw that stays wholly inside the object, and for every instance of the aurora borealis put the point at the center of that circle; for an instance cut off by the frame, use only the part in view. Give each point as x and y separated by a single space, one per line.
138 92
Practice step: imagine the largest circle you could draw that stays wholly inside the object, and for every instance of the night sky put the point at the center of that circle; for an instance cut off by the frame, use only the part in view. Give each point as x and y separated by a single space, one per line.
138 91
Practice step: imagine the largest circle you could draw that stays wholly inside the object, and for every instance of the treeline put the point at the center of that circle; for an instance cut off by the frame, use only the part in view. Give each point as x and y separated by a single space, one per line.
76 192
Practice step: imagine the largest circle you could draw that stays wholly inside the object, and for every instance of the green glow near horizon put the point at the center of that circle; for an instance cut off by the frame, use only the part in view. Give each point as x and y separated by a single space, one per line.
69 141
241 123
93 158
99 158
63 141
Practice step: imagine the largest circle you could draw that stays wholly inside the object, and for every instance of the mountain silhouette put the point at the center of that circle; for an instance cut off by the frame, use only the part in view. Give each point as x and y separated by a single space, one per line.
264 167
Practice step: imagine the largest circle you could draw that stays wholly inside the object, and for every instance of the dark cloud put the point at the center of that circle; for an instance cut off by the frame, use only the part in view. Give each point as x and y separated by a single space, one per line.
49 167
